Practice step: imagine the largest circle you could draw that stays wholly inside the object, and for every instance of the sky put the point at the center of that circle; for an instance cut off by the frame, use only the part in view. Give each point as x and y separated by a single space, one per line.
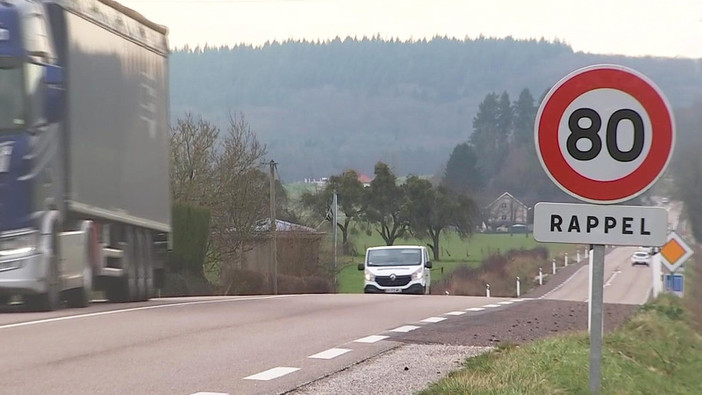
670 28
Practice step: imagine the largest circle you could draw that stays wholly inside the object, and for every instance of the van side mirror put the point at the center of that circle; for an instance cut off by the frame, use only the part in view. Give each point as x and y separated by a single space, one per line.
428 265
361 267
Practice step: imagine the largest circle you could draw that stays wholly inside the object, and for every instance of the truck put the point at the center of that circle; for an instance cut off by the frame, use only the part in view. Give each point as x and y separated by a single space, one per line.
84 152
397 269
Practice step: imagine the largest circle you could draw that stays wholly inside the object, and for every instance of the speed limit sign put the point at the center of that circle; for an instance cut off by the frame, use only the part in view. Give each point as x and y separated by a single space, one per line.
604 134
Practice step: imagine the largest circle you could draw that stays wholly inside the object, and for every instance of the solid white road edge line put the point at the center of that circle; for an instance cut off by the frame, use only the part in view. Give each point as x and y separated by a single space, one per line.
433 320
371 339
160 306
271 374
404 329
476 309
330 353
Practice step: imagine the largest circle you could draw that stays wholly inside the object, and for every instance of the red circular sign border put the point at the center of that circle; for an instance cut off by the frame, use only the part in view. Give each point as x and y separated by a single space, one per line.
599 77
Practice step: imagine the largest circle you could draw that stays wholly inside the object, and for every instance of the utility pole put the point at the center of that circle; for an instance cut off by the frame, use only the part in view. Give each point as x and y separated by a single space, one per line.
334 225
274 246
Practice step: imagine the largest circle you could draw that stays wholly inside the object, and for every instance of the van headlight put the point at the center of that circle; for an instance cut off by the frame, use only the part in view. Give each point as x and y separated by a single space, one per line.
19 245
369 276
418 275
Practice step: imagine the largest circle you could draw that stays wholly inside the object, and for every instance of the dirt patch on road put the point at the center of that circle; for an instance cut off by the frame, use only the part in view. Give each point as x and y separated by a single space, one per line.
518 323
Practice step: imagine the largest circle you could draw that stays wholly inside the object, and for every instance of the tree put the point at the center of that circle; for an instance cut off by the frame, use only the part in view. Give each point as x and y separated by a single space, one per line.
486 137
240 196
433 210
192 155
505 122
384 205
463 174
349 192
524 116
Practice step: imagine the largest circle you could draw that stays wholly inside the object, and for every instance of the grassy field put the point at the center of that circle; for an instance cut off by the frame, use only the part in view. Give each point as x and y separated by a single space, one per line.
656 352
454 252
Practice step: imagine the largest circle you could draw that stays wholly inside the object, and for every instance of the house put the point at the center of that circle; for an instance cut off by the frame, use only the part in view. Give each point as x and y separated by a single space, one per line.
364 179
297 249
505 212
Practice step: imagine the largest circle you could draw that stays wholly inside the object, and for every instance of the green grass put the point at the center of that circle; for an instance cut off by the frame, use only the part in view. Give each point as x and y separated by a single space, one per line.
454 253
656 352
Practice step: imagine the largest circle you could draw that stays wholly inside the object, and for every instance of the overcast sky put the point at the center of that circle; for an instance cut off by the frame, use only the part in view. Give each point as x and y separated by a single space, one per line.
629 27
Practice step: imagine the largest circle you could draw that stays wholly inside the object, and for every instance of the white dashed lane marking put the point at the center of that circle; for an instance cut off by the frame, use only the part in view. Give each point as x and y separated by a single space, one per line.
492 305
506 302
405 328
371 339
455 313
210 393
271 374
476 309
330 353
432 320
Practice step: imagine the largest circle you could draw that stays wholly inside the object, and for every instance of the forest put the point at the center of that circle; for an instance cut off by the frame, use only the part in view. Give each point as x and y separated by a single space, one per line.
325 107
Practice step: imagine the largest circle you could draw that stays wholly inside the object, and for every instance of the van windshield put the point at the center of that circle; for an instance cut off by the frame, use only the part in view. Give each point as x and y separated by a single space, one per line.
395 257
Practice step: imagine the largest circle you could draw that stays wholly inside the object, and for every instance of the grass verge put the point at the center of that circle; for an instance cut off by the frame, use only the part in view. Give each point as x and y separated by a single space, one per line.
656 352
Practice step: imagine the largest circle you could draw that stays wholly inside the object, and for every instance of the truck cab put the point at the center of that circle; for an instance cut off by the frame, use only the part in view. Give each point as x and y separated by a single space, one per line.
397 269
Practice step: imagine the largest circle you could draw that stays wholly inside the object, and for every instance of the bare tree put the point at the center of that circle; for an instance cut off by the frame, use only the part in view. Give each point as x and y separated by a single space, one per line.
240 196
192 145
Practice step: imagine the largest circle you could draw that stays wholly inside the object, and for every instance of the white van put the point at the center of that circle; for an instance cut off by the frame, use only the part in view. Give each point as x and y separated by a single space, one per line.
396 269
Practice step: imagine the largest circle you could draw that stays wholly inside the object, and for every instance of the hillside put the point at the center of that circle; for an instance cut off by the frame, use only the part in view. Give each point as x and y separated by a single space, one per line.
325 107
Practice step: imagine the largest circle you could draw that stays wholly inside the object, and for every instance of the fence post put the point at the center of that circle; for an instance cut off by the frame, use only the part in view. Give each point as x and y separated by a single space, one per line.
541 277
487 290
518 287
553 263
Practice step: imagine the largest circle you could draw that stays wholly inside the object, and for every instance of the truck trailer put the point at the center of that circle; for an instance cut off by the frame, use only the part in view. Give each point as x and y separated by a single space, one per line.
84 182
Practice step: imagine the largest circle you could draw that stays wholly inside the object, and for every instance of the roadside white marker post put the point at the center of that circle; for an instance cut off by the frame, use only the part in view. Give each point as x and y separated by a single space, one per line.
578 257
565 260
487 290
604 134
553 266
656 283
518 286
541 277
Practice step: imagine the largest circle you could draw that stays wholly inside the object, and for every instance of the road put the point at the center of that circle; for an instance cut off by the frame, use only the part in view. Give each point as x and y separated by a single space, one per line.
220 345
623 283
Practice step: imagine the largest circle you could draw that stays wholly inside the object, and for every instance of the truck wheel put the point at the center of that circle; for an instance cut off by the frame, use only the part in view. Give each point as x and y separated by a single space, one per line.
148 266
132 262
141 266
80 297
51 299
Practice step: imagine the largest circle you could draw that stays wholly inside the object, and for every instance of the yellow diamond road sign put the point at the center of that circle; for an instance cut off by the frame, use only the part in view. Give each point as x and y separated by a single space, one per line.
675 252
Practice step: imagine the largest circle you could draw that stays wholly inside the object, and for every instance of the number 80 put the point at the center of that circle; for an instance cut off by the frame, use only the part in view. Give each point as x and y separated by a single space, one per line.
591 133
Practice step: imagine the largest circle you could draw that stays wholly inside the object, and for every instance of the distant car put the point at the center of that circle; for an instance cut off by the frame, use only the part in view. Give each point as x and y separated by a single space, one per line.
641 258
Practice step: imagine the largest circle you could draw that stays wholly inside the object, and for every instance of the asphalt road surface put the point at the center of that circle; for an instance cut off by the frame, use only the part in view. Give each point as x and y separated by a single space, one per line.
258 344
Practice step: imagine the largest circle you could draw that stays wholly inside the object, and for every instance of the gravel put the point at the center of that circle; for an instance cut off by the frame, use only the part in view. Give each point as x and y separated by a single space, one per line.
402 370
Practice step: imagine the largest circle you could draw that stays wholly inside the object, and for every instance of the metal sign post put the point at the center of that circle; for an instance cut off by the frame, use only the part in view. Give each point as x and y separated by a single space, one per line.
596 322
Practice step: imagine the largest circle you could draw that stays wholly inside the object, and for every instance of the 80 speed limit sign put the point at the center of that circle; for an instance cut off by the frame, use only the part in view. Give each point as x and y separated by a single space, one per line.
604 134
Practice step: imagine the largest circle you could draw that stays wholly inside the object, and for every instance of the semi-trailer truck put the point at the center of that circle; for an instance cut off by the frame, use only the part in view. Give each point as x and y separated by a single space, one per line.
84 186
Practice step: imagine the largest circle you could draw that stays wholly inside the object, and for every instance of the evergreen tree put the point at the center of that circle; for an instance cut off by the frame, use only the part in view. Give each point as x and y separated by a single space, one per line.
524 116
462 171
485 137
